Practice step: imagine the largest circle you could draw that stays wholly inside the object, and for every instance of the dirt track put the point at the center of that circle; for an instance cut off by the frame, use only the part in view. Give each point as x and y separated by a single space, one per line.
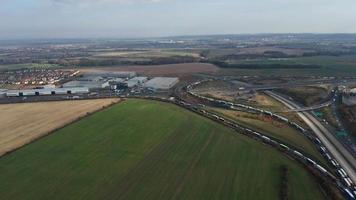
161 70
23 123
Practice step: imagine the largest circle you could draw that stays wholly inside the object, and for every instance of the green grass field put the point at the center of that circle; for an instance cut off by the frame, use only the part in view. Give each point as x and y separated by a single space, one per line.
329 66
149 150
147 54
327 61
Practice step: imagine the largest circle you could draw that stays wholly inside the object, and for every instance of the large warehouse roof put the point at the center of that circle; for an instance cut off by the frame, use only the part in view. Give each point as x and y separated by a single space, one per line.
161 83
88 84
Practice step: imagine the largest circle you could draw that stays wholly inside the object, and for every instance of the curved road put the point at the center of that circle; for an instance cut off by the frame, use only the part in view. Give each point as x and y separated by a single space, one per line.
311 107
340 153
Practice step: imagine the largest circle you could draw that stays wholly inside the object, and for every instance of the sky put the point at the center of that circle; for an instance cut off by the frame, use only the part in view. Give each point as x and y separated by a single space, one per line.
27 19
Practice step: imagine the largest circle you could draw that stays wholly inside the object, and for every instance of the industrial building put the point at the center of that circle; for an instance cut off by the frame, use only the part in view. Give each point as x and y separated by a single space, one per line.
2 93
46 91
90 78
100 80
87 84
136 81
349 96
353 92
161 83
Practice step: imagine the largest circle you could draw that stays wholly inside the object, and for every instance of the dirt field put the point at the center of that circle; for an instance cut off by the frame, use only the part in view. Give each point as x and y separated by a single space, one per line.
22 123
161 70
263 100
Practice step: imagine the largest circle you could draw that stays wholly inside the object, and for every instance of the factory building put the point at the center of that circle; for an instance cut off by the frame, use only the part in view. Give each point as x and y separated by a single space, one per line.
2 93
116 80
47 91
353 92
349 96
161 83
136 81
87 84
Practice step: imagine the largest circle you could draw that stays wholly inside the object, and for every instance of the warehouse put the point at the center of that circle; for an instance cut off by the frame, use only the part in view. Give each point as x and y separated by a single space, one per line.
349 96
2 93
161 83
136 81
87 84
42 92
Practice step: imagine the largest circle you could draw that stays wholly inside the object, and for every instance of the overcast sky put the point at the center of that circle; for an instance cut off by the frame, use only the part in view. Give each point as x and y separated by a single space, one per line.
146 18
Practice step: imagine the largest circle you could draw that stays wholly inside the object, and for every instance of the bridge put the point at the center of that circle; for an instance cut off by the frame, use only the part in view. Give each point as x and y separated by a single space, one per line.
315 107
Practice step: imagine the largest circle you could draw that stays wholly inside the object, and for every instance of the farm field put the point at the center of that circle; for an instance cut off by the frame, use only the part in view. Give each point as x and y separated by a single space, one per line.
129 151
23 123
328 66
147 54
326 61
161 70
216 53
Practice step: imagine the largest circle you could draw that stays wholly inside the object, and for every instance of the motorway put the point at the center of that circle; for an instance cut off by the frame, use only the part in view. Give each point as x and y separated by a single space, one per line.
340 153
257 135
345 183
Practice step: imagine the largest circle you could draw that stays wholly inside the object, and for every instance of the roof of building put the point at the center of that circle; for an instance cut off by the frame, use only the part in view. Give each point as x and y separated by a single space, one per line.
139 78
161 82
89 84
49 90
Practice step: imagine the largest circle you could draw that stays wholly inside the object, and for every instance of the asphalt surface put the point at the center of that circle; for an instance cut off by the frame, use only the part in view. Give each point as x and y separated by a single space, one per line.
339 152
315 107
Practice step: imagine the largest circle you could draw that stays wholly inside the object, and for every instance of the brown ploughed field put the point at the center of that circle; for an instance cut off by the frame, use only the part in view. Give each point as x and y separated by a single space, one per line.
161 70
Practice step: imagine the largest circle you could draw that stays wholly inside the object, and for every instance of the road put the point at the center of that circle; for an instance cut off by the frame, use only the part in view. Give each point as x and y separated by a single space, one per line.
315 107
339 152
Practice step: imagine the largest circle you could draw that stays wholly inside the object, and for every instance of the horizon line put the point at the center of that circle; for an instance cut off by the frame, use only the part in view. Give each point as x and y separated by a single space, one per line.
172 36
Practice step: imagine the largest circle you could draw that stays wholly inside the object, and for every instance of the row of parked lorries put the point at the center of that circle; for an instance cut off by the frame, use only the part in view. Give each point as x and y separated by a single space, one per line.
346 184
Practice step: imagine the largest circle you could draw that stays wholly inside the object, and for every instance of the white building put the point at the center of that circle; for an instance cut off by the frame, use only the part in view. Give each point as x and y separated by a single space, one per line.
349 96
49 91
88 84
161 83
